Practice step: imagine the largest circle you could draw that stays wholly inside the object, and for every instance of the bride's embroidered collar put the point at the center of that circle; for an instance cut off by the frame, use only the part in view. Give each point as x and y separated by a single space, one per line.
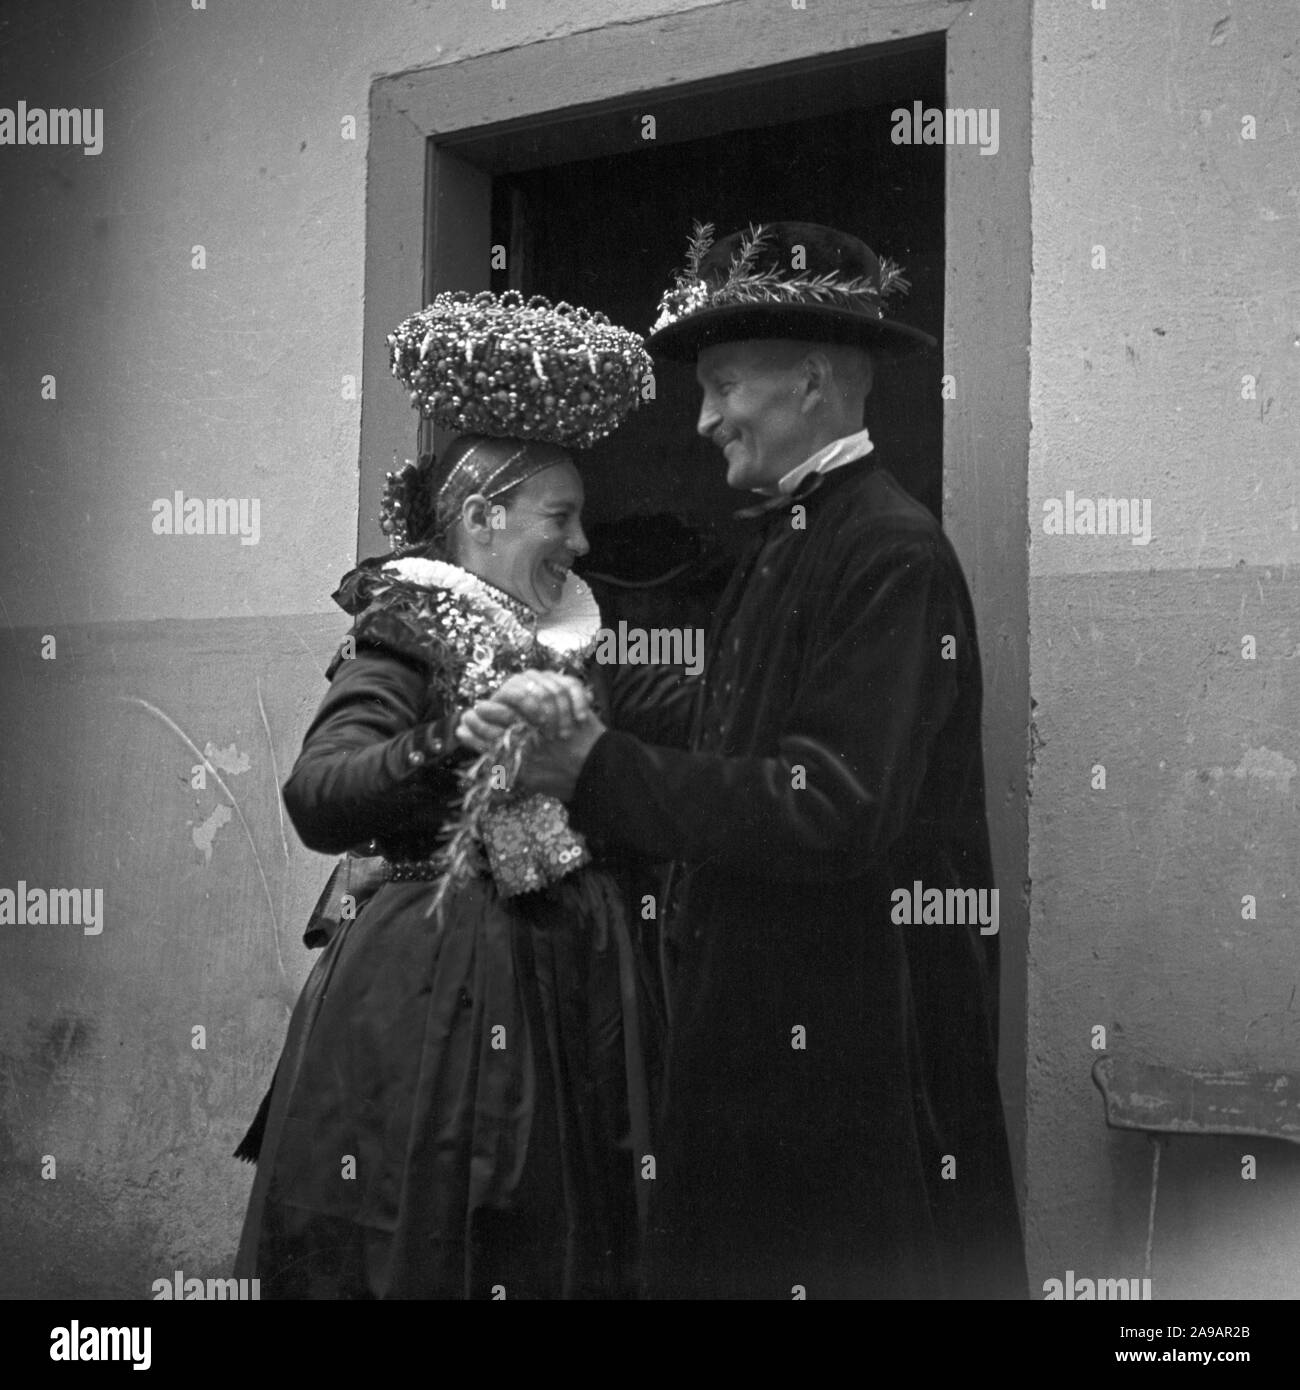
571 628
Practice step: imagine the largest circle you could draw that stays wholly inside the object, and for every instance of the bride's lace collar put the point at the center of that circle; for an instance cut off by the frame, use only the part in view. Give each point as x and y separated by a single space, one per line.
571 628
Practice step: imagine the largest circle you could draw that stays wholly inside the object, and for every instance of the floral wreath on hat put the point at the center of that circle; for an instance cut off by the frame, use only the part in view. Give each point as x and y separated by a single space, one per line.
746 284
500 365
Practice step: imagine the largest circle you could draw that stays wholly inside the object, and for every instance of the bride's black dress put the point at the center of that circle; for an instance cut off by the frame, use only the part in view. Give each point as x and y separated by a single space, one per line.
450 1116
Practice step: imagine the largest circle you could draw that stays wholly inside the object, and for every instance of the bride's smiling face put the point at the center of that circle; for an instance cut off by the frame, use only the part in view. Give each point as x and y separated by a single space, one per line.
532 537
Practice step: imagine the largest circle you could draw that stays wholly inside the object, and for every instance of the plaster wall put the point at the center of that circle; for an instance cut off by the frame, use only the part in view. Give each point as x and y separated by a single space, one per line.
1136 651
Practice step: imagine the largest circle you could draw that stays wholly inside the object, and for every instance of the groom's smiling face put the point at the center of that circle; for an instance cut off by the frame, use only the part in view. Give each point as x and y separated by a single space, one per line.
754 409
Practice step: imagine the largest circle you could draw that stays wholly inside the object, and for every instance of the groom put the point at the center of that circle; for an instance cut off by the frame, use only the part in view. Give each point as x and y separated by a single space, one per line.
832 1126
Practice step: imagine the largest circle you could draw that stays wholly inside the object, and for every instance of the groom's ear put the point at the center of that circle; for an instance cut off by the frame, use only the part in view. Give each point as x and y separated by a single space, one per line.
816 375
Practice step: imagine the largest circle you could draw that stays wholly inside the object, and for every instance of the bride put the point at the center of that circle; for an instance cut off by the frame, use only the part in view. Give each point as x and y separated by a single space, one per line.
460 1108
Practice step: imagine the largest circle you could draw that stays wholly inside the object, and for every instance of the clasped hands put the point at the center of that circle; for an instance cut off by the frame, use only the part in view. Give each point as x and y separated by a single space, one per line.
559 708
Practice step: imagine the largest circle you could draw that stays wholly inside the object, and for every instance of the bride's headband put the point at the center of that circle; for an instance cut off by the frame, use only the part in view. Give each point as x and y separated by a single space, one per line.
418 508
485 485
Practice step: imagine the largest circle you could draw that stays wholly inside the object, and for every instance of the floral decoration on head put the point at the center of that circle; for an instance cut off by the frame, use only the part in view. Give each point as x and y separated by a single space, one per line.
497 365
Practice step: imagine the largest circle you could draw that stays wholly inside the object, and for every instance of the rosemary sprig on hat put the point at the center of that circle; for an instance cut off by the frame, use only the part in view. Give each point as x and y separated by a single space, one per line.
746 284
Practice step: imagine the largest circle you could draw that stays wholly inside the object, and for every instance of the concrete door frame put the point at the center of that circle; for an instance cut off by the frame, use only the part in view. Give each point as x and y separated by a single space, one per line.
427 204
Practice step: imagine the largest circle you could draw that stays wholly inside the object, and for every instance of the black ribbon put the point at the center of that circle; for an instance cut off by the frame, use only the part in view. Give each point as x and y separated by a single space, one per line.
807 484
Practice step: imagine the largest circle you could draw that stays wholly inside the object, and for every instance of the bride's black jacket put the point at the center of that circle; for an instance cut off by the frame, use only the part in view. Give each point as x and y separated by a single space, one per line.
375 764
377 768
833 1119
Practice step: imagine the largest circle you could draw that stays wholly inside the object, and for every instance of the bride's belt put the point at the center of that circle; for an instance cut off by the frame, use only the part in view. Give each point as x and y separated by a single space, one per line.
528 843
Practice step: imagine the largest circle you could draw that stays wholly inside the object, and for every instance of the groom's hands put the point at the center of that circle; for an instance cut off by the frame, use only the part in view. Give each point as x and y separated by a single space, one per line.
553 766
559 708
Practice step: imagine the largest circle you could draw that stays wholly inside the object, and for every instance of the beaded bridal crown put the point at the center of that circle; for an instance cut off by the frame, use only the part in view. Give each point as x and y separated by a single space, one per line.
500 365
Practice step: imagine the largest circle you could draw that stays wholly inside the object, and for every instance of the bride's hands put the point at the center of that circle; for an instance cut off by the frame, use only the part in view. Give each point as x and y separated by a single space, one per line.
554 704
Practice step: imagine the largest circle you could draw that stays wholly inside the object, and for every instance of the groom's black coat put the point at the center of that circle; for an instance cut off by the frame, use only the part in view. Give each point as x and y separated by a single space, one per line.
828 755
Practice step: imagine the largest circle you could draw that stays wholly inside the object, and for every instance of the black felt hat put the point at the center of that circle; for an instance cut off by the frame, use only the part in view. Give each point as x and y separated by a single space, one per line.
782 280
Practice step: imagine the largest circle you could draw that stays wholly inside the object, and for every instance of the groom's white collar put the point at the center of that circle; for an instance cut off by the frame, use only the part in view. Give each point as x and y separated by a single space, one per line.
834 455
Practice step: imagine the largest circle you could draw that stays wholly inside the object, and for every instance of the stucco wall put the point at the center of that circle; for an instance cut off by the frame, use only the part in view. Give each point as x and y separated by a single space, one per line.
1137 650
